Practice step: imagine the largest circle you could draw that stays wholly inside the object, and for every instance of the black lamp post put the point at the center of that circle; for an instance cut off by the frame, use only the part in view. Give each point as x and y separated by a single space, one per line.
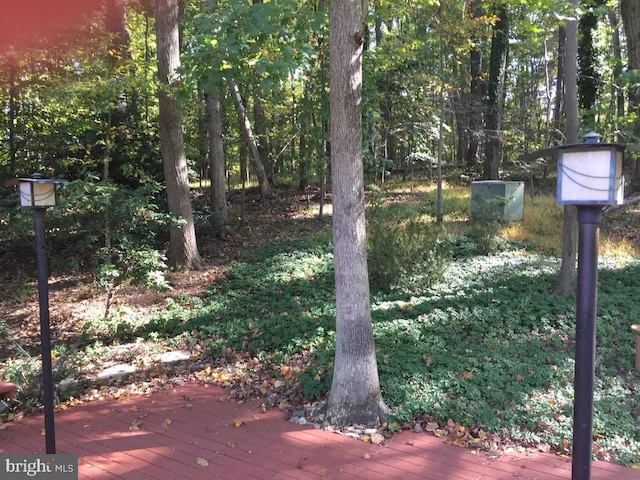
39 193
589 177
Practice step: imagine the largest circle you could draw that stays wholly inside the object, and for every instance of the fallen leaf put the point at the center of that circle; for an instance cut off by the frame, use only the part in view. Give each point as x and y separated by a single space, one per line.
202 461
366 456
135 425
238 422
134 408
559 417
167 422
636 466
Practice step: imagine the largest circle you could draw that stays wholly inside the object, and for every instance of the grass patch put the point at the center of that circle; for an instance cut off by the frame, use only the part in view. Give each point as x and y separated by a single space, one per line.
488 346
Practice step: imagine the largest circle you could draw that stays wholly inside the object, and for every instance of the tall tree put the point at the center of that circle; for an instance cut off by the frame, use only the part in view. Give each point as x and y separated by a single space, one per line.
213 107
558 110
569 219
630 13
183 248
355 392
118 45
476 92
249 137
588 68
496 92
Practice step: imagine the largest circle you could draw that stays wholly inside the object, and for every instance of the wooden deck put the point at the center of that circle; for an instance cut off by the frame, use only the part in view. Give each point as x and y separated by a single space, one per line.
193 432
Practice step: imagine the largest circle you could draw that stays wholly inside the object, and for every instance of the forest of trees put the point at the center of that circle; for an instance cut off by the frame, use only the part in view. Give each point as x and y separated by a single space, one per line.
154 96
252 82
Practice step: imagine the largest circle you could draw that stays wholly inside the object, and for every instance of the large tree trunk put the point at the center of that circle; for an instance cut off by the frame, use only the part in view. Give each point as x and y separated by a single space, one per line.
569 220
630 13
495 94
183 249
250 139
355 396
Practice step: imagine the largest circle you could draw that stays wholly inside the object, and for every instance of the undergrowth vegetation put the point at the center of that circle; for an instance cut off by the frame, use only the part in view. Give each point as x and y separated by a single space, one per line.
466 326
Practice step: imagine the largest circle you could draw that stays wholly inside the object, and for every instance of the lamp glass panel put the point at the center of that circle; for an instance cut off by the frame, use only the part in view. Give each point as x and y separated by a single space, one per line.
37 194
618 185
586 176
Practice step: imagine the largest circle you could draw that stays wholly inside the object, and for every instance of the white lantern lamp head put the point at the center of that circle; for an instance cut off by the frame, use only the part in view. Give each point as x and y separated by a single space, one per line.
37 191
590 173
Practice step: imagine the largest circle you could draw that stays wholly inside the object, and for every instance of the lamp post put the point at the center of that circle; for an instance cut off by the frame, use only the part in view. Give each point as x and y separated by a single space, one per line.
39 193
589 177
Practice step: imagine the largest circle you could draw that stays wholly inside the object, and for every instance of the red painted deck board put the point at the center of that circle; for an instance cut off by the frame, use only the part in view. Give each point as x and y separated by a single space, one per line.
190 432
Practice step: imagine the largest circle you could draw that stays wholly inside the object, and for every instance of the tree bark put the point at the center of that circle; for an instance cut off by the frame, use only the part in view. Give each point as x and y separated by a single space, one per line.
12 65
559 110
566 281
617 98
219 210
476 93
495 94
588 68
250 139
355 396
183 250
213 105
630 13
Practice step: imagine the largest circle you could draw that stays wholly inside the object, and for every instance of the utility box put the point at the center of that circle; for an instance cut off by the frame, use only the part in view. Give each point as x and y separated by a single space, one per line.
497 200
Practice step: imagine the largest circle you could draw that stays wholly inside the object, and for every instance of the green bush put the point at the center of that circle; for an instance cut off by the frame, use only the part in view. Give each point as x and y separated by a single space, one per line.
114 230
401 246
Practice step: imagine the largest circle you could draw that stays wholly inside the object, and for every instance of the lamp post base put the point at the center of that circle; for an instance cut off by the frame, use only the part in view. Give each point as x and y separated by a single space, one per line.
45 331
589 218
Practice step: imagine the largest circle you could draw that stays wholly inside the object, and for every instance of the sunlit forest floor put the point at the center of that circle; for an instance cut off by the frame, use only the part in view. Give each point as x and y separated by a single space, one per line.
481 355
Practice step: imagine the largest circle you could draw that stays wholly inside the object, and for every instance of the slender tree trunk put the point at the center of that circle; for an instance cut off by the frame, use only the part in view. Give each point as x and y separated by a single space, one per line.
566 281
323 144
559 109
12 65
183 249
355 396
262 136
250 139
588 68
617 98
304 150
219 210
495 94
476 94
213 105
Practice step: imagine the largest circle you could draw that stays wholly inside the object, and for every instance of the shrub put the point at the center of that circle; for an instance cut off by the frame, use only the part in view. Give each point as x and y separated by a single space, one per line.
401 246
115 230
